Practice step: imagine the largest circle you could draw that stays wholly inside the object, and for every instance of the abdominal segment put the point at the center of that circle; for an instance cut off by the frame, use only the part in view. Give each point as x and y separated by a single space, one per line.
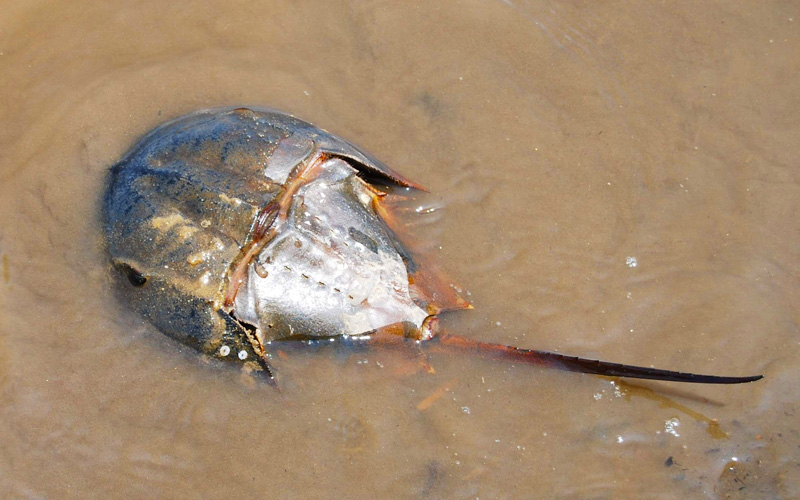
330 268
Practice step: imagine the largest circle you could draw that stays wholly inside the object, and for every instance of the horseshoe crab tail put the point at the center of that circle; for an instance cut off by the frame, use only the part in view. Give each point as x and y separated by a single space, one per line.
576 364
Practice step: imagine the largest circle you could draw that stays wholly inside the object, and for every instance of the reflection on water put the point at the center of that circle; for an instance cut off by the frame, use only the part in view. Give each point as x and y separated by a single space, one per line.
562 139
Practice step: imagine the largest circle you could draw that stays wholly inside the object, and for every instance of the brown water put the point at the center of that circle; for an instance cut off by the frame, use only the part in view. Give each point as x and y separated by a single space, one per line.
562 138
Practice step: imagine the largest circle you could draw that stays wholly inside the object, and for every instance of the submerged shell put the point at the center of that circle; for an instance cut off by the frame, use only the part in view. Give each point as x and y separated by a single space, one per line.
188 202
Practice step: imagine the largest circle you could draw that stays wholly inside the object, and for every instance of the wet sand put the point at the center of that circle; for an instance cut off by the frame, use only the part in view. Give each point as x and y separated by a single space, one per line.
563 140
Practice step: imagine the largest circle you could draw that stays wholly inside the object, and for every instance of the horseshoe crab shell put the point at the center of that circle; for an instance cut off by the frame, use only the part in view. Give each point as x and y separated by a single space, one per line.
237 227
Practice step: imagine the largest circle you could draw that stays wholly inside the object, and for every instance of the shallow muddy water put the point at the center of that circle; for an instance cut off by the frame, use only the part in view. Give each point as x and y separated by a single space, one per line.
619 181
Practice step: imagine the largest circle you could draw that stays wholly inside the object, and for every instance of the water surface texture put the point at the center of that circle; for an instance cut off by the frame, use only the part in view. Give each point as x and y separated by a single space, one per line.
619 180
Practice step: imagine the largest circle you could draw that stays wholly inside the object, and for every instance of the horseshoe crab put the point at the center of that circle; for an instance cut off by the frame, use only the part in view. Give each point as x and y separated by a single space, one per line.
239 228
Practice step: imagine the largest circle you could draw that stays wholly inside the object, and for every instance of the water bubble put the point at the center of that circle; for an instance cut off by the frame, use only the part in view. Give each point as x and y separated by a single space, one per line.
671 426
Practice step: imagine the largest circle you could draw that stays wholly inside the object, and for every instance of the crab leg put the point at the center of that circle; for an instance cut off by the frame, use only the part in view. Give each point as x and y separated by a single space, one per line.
265 227
450 342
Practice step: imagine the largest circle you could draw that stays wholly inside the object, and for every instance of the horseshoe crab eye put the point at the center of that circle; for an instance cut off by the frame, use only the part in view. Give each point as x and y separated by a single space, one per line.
136 278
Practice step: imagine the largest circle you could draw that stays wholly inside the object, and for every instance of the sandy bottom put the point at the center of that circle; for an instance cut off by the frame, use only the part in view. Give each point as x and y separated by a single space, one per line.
619 181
